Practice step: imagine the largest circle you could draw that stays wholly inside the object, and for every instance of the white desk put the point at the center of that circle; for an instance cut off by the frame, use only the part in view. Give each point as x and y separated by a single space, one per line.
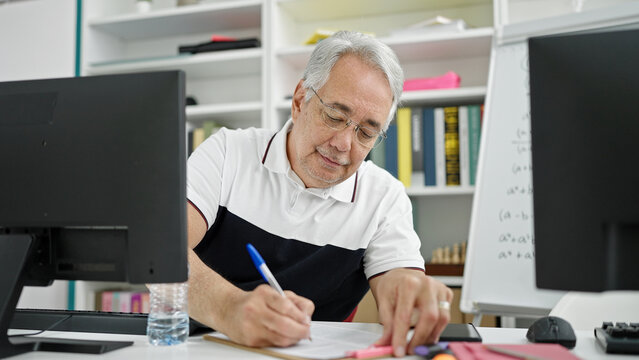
197 348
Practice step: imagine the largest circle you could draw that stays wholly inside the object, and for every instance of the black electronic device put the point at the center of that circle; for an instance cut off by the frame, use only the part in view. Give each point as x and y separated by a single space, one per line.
552 329
90 321
620 338
217 45
93 186
460 332
584 128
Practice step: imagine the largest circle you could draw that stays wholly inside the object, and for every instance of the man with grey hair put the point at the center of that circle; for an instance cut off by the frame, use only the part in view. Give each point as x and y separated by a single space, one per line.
328 224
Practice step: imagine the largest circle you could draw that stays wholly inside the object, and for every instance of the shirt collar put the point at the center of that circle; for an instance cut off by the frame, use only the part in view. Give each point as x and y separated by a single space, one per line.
273 157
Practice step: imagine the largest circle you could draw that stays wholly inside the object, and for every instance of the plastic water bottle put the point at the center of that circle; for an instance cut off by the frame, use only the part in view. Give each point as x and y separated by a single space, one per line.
168 322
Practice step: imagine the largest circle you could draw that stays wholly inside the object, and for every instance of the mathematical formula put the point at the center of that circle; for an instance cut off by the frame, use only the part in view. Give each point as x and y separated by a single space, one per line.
514 215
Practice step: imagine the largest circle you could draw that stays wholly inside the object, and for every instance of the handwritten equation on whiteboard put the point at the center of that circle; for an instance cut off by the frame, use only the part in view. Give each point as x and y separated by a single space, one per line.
500 265
515 241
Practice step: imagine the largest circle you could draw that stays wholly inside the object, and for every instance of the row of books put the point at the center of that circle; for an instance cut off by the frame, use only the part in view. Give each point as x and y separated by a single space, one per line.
122 301
197 135
441 142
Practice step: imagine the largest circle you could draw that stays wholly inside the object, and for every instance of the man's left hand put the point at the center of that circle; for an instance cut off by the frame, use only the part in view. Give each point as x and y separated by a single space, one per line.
408 297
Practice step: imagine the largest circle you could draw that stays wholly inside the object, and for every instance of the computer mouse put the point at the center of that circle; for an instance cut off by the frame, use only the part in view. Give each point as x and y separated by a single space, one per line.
552 329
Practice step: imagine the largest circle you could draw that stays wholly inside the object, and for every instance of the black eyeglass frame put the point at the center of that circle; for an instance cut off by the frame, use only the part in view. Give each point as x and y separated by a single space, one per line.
381 134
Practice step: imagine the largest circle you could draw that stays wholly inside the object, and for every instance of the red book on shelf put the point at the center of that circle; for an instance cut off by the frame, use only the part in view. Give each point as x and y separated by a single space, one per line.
216 37
107 301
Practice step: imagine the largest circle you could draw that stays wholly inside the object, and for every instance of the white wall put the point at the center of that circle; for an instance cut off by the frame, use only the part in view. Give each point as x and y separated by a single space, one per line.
37 40
51 297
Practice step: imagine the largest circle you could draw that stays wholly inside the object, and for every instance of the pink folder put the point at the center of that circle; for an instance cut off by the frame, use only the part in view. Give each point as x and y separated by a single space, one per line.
447 81
478 351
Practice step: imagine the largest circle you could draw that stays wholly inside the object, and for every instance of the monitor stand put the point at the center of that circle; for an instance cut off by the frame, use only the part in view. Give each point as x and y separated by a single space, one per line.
16 251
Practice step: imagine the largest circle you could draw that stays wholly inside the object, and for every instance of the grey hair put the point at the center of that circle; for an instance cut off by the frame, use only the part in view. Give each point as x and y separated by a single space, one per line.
370 50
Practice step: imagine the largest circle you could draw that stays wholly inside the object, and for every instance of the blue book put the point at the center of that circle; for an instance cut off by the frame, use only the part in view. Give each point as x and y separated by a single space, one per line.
428 131
391 148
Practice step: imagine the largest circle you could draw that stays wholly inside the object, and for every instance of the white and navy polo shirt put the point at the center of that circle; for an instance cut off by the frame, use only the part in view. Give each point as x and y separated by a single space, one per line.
322 244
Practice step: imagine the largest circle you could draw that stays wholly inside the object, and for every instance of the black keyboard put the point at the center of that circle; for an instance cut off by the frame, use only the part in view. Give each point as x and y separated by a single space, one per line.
619 338
89 321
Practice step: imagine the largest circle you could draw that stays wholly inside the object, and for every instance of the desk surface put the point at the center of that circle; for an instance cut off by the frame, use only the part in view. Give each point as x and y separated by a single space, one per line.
197 348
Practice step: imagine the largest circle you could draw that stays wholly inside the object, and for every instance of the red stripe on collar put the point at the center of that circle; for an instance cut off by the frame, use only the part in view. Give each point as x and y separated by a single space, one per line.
267 148
354 187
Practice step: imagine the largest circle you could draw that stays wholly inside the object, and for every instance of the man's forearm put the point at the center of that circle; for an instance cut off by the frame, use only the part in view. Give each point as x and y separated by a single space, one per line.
210 295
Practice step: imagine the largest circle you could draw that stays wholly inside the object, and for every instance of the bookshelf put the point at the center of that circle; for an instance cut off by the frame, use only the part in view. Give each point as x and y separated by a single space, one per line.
249 87
228 85
467 53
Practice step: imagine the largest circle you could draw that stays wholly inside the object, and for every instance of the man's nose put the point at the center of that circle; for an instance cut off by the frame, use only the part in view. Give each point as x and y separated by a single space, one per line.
343 139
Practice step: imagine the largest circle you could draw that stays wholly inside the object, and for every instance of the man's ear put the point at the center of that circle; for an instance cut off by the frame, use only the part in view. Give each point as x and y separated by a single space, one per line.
298 100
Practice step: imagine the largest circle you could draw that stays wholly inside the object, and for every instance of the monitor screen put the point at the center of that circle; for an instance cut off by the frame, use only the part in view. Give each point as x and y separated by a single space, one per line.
93 181
585 136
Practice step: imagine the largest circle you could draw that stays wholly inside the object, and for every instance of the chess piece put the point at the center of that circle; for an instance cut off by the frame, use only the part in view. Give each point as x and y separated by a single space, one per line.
456 258
463 252
433 258
446 258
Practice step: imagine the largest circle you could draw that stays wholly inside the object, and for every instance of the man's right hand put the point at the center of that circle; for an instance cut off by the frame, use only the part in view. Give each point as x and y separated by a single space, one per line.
263 317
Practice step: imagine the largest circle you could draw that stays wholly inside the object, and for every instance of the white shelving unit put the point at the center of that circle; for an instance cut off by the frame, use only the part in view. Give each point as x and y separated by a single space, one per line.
240 114
466 53
520 11
211 17
205 65
227 85
249 87
442 214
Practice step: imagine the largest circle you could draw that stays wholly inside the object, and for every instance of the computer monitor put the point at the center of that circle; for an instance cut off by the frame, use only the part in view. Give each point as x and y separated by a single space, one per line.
584 99
92 183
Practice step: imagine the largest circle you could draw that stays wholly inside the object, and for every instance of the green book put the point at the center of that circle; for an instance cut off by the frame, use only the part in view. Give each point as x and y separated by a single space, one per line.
474 133
210 128
378 155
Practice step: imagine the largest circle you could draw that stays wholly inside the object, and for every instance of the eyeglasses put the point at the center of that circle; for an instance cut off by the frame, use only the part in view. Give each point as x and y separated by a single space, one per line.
337 120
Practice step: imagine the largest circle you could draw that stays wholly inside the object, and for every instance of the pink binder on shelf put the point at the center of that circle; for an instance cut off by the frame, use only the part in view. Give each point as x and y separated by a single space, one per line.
447 81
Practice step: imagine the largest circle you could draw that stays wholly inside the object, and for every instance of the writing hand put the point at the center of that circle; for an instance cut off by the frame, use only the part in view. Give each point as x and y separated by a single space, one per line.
263 317
402 294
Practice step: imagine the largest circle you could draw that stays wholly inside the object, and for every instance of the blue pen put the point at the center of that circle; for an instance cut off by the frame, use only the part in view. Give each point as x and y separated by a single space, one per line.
263 269
266 273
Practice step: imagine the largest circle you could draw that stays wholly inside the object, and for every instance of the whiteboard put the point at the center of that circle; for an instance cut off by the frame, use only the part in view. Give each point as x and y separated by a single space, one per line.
499 274
499 270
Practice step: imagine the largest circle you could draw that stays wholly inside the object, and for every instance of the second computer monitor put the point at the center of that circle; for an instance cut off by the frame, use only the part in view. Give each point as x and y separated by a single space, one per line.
584 92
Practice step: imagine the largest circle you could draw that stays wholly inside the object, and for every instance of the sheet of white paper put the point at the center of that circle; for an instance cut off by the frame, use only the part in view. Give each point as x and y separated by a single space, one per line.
330 341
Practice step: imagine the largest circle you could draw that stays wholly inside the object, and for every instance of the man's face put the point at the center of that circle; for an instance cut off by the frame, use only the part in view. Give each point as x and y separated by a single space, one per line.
324 157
